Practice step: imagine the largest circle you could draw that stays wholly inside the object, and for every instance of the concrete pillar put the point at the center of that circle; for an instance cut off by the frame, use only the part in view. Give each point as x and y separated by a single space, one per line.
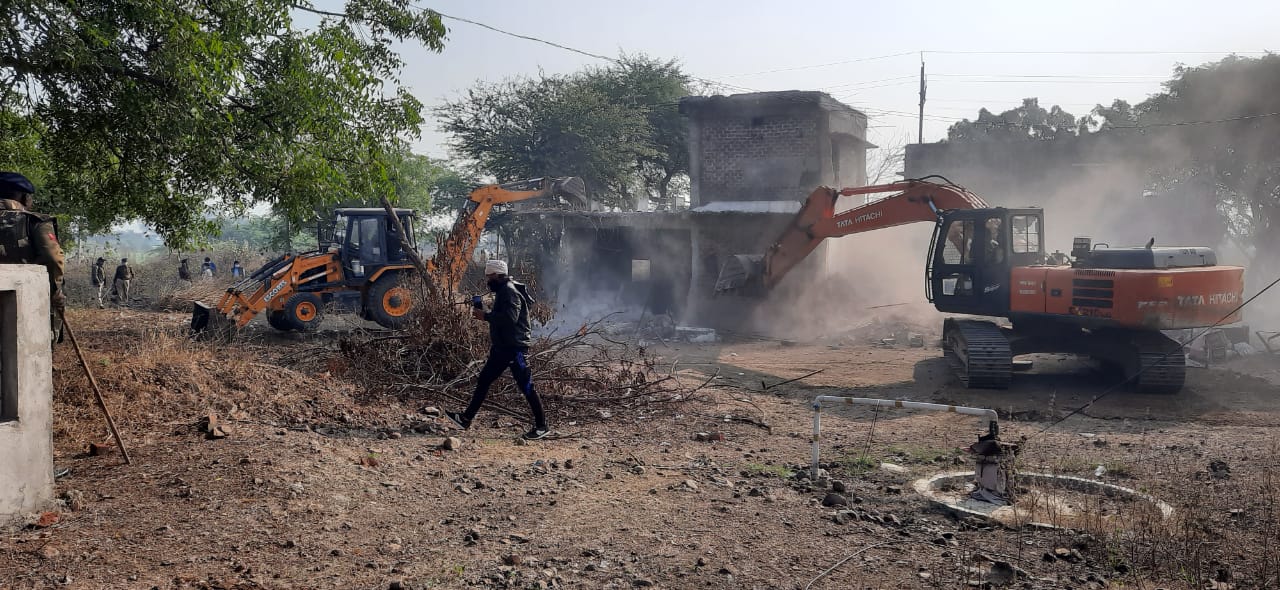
26 392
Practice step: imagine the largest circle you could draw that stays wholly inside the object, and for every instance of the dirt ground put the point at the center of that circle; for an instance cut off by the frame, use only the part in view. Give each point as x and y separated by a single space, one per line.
318 485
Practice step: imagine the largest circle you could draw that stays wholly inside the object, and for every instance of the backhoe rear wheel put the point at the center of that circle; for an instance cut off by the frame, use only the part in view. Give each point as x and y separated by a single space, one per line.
388 302
303 312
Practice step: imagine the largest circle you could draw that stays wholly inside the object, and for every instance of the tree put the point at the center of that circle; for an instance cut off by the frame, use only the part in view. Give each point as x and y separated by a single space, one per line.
1217 123
1029 121
175 112
616 126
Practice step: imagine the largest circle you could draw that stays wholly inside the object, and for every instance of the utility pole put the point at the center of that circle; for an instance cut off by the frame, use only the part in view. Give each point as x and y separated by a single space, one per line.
922 92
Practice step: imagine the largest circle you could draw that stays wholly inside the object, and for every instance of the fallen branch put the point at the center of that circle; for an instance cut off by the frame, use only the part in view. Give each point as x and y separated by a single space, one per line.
805 376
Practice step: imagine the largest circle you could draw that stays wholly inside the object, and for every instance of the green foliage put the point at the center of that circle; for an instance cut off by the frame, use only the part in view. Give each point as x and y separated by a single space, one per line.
1029 121
617 127
778 471
176 112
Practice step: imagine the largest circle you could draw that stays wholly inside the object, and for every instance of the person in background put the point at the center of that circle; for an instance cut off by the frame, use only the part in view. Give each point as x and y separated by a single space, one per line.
237 271
98 275
208 269
123 279
184 270
509 336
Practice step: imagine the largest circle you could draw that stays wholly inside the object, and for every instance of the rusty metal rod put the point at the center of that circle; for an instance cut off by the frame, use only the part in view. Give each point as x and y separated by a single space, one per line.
97 393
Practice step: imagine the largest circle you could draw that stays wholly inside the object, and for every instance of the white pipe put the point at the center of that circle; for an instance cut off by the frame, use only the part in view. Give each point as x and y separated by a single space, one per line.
989 414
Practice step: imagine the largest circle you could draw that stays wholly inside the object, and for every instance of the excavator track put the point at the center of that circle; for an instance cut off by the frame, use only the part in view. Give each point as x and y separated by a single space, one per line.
978 352
1160 365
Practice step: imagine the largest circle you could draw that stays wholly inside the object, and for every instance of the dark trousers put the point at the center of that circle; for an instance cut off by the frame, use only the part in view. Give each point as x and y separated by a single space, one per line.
500 359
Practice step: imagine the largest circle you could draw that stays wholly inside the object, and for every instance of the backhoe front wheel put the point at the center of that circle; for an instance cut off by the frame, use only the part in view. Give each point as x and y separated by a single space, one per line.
388 302
302 312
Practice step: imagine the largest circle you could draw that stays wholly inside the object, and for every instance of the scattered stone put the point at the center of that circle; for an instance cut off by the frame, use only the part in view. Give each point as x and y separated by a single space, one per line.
394 434
100 449
924 575
727 570
336 553
642 583
638 470
568 463
893 468
74 500
701 562
512 559
892 490
1003 573
431 411
838 486
844 517
755 492
451 443
1218 469
690 485
834 499
608 475
702 436
212 427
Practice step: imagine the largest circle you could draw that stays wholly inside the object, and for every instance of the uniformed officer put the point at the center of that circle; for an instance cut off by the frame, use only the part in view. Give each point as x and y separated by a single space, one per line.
27 237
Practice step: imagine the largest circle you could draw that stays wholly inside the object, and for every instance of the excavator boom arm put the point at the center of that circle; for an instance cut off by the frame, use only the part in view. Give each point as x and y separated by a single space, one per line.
916 200
454 252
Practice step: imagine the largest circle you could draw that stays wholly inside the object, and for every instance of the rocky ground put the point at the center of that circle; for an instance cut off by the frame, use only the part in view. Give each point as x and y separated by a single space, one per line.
318 484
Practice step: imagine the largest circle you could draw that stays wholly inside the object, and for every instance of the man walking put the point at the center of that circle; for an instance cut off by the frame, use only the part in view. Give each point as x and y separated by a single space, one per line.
98 274
509 337
124 277
184 271
27 237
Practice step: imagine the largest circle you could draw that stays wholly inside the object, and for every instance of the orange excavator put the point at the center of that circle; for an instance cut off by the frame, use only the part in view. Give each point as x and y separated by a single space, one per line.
360 253
1106 303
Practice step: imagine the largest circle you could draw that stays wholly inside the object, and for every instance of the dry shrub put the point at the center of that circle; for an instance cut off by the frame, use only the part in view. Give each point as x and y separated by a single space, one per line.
155 376
582 376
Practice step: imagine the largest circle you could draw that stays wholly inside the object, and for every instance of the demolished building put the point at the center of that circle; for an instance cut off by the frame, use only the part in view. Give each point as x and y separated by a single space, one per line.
754 158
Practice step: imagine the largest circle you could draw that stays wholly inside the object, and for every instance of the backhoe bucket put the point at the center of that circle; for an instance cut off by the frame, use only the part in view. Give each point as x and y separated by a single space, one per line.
572 188
742 273
209 324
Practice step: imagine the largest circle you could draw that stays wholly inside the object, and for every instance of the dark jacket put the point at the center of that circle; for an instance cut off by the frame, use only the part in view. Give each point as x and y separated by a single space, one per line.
98 275
509 320
124 273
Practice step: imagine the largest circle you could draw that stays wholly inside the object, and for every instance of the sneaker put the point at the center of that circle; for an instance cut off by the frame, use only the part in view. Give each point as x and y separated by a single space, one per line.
459 419
537 433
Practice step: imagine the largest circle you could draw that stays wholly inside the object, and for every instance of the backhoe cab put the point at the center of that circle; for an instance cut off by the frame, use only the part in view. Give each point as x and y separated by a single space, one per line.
360 256
359 253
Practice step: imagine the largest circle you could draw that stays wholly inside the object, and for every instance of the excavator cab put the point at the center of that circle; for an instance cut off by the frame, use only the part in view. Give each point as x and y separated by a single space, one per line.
973 252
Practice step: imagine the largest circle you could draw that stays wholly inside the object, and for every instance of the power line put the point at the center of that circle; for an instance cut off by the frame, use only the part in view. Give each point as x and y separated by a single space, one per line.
566 47
822 65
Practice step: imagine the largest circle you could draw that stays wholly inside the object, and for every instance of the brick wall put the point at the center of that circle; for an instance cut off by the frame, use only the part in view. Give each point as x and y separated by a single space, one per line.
765 158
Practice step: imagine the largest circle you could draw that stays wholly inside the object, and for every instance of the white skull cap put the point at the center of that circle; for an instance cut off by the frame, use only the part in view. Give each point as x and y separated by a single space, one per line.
495 267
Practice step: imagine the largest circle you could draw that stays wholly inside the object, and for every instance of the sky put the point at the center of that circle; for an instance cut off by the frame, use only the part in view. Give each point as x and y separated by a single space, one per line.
866 54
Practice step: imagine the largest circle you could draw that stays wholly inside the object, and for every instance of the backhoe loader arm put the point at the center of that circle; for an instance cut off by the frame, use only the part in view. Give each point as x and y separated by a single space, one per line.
454 252
917 200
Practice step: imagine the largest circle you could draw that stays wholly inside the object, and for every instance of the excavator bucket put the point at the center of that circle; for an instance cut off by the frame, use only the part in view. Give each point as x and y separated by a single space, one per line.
741 273
207 323
571 188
